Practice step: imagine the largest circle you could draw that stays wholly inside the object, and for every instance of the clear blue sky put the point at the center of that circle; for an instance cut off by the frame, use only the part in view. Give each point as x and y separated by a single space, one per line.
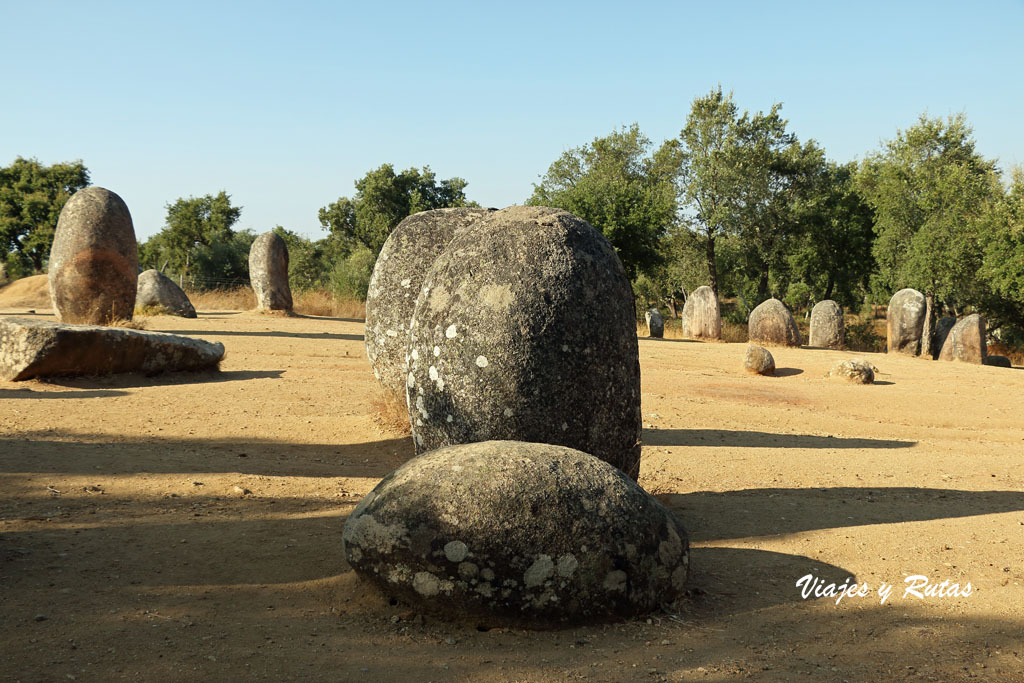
284 107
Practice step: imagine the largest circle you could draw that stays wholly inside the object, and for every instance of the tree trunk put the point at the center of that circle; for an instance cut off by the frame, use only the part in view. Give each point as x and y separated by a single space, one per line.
831 285
929 324
712 273
762 286
672 306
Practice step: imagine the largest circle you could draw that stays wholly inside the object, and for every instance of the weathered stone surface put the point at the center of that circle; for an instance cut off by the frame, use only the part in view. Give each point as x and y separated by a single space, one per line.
522 533
268 273
525 329
966 341
156 290
942 328
398 274
759 360
827 328
701 316
905 322
41 348
998 361
94 260
655 323
853 370
772 323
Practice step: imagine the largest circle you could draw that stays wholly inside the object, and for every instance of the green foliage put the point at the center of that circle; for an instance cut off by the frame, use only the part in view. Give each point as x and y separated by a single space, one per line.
614 184
383 198
31 198
1002 236
310 262
351 276
861 336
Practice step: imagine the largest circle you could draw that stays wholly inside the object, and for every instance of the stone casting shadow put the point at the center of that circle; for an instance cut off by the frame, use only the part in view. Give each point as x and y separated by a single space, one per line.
134 380
27 392
268 333
749 439
788 372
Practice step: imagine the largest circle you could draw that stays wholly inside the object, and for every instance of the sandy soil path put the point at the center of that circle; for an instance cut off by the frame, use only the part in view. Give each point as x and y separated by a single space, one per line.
188 526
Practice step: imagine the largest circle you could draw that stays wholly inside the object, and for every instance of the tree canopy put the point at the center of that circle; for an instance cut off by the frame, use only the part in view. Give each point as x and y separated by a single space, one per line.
383 198
31 198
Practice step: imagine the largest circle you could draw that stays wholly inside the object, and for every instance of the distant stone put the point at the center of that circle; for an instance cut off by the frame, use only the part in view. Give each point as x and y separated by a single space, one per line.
966 341
905 322
520 533
94 260
772 323
157 291
525 329
42 348
998 361
942 328
398 274
759 360
701 317
268 273
854 370
827 325
655 323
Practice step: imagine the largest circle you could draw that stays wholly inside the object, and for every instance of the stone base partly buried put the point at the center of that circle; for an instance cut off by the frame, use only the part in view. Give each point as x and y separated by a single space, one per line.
40 348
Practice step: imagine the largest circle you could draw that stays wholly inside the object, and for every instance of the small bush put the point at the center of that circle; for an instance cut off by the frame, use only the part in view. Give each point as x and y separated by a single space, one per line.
351 276
390 412
863 336
734 333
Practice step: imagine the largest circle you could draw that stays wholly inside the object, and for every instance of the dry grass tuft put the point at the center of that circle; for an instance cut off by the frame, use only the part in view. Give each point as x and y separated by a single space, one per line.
237 299
1016 355
129 324
320 302
390 412
734 333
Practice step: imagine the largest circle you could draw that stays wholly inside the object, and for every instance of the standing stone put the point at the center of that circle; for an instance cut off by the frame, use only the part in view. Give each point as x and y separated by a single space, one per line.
701 316
759 360
655 323
398 274
942 328
772 323
521 533
905 322
158 291
94 260
268 273
966 341
525 329
827 325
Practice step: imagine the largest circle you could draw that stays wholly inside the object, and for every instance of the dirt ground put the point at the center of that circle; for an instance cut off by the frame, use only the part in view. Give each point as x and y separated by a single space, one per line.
189 526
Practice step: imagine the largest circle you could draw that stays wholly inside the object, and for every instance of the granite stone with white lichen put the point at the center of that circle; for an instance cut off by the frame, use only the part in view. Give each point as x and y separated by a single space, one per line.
525 329
518 533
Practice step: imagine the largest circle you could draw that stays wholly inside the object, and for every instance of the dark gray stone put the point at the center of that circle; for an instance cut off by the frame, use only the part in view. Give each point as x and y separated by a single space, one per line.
94 260
998 361
655 323
966 342
398 274
157 291
772 323
42 348
854 370
701 316
525 329
759 360
942 328
827 326
268 273
905 322
522 533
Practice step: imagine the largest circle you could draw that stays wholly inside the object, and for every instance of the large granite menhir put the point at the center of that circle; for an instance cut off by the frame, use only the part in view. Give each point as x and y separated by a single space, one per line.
701 317
41 348
94 260
827 325
905 322
772 323
268 273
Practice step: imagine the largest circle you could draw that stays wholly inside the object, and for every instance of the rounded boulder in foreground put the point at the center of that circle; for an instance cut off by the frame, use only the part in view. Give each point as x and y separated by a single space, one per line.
759 360
853 370
525 330
521 533
655 323
701 316
905 322
268 273
398 274
772 323
158 291
94 260
827 325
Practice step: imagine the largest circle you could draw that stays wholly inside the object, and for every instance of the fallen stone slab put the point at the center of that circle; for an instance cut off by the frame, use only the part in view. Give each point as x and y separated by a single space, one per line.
41 348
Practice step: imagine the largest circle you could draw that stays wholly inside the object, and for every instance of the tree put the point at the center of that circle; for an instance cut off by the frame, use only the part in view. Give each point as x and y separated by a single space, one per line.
1002 268
613 184
930 190
31 198
383 198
